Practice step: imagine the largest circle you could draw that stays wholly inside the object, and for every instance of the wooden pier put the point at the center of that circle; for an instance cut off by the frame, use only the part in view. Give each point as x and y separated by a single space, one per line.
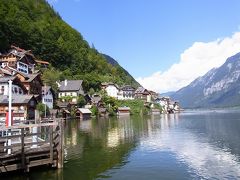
26 146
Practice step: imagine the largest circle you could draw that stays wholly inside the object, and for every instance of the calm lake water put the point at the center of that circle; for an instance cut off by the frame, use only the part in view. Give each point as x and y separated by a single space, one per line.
190 145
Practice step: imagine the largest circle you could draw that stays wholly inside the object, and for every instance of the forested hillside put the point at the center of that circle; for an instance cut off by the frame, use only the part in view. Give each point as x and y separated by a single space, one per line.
34 25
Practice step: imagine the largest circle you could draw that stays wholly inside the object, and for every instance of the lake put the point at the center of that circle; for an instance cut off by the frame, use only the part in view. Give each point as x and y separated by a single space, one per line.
189 145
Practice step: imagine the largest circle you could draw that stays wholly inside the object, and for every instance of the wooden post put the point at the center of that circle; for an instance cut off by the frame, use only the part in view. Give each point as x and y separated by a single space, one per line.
51 144
22 148
61 144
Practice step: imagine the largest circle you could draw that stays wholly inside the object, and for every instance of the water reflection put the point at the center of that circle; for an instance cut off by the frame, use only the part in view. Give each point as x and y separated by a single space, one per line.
209 154
191 145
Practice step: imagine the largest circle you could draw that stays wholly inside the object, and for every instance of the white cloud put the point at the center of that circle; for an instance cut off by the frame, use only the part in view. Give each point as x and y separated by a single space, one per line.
194 62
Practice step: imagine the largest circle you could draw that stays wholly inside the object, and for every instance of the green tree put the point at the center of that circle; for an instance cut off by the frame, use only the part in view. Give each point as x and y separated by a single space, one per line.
42 109
81 101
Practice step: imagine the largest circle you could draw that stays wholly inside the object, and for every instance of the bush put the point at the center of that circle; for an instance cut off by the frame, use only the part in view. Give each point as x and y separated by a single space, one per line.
41 109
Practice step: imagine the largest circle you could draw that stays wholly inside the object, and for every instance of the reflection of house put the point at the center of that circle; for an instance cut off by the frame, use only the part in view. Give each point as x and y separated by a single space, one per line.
123 111
126 92
155 111
70 88
23 106
83 113
102 111
111 89
47 96
142 93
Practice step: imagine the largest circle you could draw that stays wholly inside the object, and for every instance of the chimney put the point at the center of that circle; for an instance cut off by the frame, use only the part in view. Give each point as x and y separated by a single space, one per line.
65 82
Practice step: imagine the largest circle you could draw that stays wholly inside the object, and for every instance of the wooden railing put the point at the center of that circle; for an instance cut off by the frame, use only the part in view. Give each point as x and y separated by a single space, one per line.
26 146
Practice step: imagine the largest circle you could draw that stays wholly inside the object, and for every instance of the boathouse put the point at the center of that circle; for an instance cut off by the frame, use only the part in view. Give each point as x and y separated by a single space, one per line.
83 113
123 111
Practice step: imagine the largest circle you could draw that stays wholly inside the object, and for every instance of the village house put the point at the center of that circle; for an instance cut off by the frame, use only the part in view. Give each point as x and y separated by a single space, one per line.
154 95
164 103
143 94
48 96
126 92
33 83
111 89
17 86
70 88
18 59
23 107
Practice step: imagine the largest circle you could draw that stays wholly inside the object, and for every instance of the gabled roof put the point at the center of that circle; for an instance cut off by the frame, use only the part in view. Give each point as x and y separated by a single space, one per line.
124 108
30 77
141 90
16 99
84 110
127 88
71 85
96 98
46 89
5 79
63 104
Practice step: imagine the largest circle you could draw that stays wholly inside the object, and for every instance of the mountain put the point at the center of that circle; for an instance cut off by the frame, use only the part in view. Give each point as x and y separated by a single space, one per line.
220 87
110 60
34 25
114 63
169 93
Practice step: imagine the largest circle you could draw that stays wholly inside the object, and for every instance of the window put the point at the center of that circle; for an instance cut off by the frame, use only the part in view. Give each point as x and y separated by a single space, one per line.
2 90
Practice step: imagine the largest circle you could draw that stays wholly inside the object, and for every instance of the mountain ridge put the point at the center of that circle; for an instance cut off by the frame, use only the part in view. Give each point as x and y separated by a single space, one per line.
219 87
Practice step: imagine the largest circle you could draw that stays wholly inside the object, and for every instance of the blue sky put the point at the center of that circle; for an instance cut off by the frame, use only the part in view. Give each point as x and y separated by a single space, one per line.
149 37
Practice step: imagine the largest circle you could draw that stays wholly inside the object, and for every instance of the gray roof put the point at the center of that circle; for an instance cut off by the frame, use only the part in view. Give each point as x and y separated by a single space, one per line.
96 98
45 89
30 77
5 79
127 88
72 85
140 90
16 99
84 110
124 108
62 104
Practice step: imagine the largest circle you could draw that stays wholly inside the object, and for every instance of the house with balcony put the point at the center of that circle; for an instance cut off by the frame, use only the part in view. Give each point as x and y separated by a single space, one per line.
126 93
18 59
69 90
143 94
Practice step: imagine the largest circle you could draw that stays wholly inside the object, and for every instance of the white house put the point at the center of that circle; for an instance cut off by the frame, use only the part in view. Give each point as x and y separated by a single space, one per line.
111 89
70 88
47 96
126 92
